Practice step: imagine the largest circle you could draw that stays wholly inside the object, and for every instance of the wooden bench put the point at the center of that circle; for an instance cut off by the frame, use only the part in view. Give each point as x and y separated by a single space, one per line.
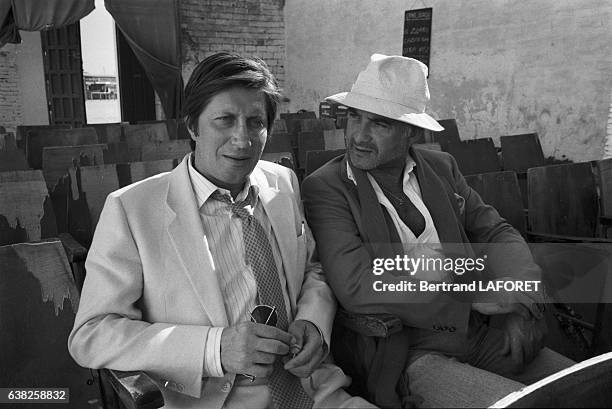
604 179
578 280
170 124
449 135
281 158
317 158
279 126
143 170
26 212
501 190
11 157
38 288
80 196
139 134
563 200
521 152
116 152
334 139
278 142
474 156
37 139
563 208
22 132
109 132
309 141
175 149
293 124
58 159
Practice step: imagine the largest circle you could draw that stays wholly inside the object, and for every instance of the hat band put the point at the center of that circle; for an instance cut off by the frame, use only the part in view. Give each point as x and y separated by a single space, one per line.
412 108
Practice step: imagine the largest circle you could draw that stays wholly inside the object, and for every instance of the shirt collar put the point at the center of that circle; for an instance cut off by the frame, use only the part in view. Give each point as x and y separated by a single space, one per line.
410 164
203 187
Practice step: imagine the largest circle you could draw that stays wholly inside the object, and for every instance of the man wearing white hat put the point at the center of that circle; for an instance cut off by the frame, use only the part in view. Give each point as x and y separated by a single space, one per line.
384 200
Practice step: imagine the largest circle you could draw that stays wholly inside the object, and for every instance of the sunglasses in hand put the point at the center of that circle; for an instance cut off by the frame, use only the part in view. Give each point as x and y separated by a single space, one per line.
264 314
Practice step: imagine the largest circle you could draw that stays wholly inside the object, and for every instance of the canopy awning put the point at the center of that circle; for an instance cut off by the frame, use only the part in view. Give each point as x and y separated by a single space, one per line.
35 15
151 28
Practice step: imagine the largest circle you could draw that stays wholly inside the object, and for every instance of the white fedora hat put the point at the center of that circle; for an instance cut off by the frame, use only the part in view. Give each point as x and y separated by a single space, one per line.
394 87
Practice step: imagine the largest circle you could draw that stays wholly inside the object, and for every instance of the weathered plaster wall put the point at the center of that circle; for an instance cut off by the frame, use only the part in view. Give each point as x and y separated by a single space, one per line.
32 79
498 66
22 84
10 101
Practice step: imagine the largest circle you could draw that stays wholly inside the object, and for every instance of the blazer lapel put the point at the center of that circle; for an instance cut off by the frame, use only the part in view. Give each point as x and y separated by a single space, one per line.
186 233
442 205
373 219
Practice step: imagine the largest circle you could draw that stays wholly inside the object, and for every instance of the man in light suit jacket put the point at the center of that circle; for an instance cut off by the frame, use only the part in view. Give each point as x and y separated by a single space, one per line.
385 199
181 262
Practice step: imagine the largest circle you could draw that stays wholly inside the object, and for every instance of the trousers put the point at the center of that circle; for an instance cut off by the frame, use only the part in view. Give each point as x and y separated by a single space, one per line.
481 376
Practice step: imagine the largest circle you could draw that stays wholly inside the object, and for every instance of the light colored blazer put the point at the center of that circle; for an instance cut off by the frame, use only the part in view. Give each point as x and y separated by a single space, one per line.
151 294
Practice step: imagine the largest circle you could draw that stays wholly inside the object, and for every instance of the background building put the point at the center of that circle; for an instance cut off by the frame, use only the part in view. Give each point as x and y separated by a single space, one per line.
498 67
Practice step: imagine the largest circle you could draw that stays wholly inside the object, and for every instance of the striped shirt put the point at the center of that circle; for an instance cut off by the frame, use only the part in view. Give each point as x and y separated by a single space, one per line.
224 238
428 242
413 191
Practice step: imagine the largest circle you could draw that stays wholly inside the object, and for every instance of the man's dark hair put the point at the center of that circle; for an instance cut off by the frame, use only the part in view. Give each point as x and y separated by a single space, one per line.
222 71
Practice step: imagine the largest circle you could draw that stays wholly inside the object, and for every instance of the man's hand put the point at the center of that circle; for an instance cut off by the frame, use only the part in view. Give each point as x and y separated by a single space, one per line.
251 348
505 302
496 308
523 338
309 344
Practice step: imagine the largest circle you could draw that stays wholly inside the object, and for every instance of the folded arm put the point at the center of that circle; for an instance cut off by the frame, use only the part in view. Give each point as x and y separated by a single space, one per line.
508 259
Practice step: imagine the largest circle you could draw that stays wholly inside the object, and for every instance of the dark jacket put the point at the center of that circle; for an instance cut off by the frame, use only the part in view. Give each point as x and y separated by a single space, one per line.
351 229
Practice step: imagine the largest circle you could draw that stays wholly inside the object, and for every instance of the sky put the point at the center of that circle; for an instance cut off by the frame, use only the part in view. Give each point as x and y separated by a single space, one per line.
98 42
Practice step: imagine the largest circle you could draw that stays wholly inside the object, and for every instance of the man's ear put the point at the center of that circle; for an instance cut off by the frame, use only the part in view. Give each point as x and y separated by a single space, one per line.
415 134
193 134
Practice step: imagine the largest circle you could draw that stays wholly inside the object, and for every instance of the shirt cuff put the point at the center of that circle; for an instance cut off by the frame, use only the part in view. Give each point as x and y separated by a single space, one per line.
323 343
212 353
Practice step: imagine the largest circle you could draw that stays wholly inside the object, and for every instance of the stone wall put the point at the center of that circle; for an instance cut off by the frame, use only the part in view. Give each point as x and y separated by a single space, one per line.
248 27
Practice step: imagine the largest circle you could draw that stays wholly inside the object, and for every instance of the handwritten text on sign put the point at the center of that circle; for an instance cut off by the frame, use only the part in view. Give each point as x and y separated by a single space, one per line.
417 34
